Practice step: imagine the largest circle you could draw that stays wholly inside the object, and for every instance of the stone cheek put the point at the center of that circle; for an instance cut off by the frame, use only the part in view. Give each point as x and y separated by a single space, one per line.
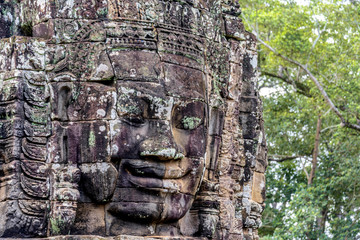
122 118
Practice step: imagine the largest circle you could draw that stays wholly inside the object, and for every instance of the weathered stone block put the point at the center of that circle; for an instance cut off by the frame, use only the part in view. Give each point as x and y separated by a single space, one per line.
235 84
249 67
99 180
35 11
127 35
34 150
133 100
248 89
67 62
208 223
83 101
261 165
70 31
36 130
12 222
84 142
10 89
237 50
8 14
216 123
79 9
124 9
234 27
258 188
136 65
29 54
10 185
231 7
251 42
248 104
189 224
10 219
11 110
249 125
250 148
185 82
94 225
10 149
13 127
181 48
6 52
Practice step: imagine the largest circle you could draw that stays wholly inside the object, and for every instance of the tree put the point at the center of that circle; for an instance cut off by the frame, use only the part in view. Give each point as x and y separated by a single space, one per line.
309 54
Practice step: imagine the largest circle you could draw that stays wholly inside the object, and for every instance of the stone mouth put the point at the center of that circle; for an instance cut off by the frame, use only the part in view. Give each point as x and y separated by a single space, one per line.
144 168
154 184
152 175
154 169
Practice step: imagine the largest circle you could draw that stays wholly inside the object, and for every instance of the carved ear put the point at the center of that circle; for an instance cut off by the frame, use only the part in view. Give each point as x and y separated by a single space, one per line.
63 102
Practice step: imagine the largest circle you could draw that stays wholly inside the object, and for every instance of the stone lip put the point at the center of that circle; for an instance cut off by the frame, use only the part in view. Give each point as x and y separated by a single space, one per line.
120 237
153 169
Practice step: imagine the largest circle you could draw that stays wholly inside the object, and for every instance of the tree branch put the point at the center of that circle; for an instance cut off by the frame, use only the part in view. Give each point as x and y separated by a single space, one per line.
302 88
344 123
282 158
330 127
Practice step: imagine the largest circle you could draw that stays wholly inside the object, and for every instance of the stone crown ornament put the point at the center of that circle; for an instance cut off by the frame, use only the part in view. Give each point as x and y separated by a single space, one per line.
129 120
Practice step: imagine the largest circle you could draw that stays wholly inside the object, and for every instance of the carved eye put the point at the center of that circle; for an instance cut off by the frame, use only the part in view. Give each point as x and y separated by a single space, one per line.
188 117
135 121
189 123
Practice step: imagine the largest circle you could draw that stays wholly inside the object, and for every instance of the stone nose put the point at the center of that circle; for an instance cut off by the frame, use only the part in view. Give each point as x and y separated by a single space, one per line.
160 149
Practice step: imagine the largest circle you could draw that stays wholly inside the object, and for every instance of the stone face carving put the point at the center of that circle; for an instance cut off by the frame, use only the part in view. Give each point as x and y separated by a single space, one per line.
129 118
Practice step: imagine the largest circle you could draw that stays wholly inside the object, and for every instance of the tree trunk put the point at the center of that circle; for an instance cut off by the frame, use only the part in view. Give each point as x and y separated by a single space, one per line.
316 151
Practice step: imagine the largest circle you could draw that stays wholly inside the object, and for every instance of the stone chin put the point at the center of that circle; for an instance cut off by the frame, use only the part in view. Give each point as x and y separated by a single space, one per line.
147 194
169 208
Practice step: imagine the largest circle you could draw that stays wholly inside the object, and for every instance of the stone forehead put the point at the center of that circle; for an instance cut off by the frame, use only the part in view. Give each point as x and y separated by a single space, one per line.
134 100
157 92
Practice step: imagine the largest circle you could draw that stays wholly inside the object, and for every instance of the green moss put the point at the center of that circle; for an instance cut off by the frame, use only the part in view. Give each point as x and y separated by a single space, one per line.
40 119
75 95
191 122
102 12
132 109
91 139
56 225
27 29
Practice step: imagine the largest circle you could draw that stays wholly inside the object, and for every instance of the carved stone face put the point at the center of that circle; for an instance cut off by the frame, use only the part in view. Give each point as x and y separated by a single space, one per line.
139 139
158 143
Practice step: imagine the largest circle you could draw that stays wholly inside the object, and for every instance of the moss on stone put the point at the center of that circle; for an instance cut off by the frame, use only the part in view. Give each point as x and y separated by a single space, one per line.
27 29
91 139
191 122
56 225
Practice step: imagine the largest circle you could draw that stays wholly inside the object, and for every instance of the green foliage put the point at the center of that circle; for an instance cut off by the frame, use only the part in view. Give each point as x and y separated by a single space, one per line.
324 36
